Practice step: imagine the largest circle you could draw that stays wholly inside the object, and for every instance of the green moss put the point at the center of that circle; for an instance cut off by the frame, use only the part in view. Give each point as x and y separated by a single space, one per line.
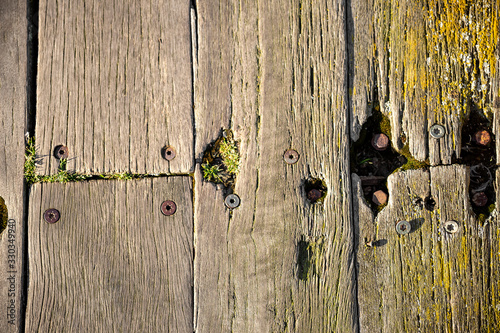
491 208
308 257
411 162
221 161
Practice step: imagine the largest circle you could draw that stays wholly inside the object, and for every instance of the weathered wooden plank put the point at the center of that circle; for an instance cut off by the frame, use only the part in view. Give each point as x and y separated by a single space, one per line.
113 262
428 280
13 45
115 85
435 59
275 73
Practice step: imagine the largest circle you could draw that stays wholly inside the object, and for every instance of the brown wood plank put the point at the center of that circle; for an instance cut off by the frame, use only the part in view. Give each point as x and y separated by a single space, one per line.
13 46
113 262
428 280
275 73
115 85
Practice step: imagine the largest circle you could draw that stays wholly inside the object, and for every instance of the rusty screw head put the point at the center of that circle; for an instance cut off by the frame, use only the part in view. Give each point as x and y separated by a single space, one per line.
169 153
403 227
314 195
482 138
480 199
380 142
291 156
437 131
379 197
51 215
168 207
451 226
61 152
232 201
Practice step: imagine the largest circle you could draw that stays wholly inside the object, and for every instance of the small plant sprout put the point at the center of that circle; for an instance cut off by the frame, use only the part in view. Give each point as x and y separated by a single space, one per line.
211 172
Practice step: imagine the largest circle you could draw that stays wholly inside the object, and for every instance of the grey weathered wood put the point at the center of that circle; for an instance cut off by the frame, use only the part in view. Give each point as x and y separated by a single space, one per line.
425 54
113 262
275 73
115 85
13 41
428 280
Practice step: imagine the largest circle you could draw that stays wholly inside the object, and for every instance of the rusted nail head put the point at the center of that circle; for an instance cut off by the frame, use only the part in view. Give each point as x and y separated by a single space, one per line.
379 197
480 199
403 227
482 138
232 201
437 131
169 153
61 152
51 215
168 207
380 142
451 226
313 195
291 156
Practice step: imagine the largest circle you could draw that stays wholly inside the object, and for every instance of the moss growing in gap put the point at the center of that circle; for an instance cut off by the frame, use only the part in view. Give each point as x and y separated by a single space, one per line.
308 257
221 161
411 162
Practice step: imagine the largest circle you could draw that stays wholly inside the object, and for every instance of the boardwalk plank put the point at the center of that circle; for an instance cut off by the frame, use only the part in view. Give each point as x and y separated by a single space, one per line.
115 85
113 262
275 73
428 280
13 46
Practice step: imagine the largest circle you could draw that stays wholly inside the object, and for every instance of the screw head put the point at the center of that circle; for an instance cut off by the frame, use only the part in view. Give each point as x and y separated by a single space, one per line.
482 138
437 131
379 197
168 208
313 195
403 227
380 142
480 199
51 215
232 201
61 152
451 226
291 156
169 153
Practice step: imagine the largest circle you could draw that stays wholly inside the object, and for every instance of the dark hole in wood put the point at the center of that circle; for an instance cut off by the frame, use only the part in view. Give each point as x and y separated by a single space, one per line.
61 152
303 260
315 190
481 159
3 215
430 203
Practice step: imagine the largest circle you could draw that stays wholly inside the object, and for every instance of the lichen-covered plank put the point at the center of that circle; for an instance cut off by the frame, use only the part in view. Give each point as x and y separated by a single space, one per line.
113 262
115 85
13 46
429 280
276 74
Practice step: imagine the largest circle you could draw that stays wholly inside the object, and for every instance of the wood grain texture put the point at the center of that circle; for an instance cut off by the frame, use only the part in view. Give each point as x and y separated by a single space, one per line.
275 73
13 46
115 85
434 60
428 280
113 262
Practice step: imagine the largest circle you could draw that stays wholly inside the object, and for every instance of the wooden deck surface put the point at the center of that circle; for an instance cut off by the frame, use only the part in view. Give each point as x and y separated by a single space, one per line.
118 82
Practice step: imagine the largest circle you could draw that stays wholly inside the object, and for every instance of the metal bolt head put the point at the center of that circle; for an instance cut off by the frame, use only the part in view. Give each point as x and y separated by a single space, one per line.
61 152
232 201
480 199
379 197
437 131
291 156
51 215
380 142
168 207
169 153
482 138
403 227
451 226
313 195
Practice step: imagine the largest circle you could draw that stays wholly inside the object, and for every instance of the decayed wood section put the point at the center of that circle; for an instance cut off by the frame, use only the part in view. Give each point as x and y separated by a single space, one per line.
428 280
113 262
275 73
13 39
115 85
433 60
